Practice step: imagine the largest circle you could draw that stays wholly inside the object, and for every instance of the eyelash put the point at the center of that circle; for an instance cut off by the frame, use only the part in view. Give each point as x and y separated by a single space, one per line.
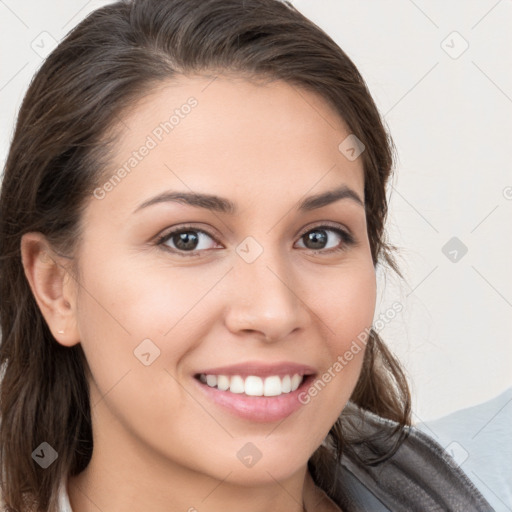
347 240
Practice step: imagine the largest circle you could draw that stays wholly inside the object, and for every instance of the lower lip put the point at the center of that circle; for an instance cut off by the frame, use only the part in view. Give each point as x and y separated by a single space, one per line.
261 409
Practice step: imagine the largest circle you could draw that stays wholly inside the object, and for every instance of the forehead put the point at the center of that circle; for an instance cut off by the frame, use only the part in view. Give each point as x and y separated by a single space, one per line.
214 134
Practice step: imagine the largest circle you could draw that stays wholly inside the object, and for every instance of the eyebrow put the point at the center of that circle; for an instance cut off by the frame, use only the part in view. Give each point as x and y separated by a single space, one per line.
223 205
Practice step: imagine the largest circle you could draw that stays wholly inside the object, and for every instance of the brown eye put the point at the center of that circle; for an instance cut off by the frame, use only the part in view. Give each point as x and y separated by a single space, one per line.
320 239
187 240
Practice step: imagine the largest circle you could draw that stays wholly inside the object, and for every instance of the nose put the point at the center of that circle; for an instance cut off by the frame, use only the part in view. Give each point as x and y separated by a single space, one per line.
265 298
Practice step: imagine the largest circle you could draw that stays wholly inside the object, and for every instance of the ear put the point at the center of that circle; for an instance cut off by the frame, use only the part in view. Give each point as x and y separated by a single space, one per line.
52 285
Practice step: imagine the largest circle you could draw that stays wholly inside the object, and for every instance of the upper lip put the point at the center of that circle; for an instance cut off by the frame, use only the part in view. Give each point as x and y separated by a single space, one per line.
260 369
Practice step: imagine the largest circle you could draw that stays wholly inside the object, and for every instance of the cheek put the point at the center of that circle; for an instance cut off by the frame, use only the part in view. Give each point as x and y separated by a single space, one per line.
135 332
133 300
127 310
348 307
347 316
357 308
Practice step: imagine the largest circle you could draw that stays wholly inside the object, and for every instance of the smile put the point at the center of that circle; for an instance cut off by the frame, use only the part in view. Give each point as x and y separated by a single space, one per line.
256 391
253 385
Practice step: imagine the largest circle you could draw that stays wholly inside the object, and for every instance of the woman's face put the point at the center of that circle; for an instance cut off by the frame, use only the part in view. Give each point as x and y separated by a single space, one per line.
267 285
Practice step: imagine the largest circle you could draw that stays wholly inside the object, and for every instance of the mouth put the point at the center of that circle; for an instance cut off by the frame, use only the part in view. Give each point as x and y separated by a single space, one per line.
253 385
254 392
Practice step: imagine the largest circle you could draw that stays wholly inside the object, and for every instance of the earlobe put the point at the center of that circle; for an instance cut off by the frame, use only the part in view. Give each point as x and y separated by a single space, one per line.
52 287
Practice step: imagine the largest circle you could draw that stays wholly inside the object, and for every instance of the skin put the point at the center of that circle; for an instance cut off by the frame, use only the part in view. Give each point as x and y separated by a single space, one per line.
160 444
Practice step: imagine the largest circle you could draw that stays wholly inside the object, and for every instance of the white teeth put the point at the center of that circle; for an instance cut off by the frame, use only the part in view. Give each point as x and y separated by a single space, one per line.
222 382
272 386
286 384
237 384
296 380
253 385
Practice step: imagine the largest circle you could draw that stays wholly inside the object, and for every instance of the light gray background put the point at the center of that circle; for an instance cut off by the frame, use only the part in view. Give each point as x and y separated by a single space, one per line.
451 118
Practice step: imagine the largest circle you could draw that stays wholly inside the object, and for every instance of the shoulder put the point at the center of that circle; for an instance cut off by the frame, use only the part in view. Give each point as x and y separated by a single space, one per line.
419 475
478 438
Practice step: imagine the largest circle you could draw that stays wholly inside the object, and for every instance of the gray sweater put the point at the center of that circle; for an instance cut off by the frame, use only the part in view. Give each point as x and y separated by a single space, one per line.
419 476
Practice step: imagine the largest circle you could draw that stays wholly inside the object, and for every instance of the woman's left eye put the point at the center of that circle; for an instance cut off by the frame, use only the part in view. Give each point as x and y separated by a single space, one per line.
191 240
318 236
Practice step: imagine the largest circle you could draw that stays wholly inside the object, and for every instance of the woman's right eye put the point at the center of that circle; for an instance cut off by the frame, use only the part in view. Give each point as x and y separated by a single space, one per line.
186 240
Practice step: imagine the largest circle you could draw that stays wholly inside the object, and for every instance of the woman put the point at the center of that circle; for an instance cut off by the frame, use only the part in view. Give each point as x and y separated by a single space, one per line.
192 214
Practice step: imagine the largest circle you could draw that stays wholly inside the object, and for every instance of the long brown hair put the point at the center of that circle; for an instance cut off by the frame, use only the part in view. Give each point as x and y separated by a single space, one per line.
59 151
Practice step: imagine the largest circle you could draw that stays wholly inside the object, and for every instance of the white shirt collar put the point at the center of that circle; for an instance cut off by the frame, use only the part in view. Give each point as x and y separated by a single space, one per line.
64 504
